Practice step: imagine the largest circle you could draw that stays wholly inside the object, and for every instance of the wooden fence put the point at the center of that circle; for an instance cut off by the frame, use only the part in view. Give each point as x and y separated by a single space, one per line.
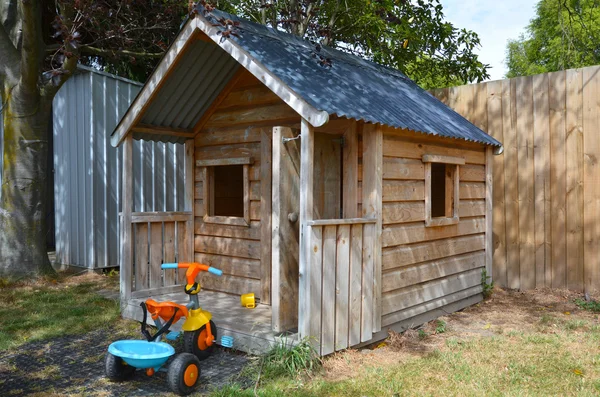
547 182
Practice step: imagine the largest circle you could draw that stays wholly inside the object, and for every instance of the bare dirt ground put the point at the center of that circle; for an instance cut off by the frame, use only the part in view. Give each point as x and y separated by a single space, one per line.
504 312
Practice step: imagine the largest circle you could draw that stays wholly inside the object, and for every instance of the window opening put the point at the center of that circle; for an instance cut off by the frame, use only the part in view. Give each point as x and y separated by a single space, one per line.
227 196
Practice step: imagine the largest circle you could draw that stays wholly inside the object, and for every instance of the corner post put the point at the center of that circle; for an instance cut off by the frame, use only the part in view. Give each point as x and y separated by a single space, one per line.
307 144
126 256
489 224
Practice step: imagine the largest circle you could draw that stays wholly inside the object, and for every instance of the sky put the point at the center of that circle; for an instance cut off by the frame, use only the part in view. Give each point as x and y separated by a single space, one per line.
495 21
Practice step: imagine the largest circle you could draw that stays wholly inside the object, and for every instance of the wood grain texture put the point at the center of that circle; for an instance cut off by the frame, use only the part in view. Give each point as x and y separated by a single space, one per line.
127 242
342 287
156 254
265 215
328 305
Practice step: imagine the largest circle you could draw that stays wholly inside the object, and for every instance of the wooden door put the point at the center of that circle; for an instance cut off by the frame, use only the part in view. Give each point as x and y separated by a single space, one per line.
285 229
327 176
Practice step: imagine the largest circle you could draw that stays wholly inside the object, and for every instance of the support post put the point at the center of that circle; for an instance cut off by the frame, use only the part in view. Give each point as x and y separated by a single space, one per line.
189 198
126 262
307 145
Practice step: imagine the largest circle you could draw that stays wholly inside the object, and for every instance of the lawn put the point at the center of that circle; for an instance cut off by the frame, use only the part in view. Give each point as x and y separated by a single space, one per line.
534 343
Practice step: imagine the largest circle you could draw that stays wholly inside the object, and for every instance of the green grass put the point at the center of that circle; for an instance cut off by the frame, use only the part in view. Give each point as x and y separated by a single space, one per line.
48 309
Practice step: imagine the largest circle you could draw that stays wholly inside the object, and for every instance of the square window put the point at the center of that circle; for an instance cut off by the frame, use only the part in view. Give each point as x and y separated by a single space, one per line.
441 189
227 191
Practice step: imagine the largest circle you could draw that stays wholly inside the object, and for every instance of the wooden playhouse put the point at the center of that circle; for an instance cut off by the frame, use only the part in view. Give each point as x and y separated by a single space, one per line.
346 198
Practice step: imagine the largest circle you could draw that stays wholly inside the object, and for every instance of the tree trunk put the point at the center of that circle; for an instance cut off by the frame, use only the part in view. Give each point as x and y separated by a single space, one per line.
24 184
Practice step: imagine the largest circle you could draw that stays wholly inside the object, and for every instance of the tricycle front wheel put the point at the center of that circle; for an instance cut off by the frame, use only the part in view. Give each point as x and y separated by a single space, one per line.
183 374
195 341
116 369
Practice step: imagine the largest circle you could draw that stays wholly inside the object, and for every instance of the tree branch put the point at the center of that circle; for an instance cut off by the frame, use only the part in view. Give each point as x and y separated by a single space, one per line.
31 51
52 86
110 53
9 57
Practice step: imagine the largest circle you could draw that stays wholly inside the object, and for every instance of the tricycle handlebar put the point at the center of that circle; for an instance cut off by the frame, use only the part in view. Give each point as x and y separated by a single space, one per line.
193 269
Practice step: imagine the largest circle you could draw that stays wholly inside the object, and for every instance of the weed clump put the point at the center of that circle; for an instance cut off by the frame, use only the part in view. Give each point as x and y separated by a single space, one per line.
592 305
289 360
488 288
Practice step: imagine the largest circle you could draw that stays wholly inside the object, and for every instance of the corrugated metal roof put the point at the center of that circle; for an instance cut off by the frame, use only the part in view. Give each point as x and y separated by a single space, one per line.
352 87
191 87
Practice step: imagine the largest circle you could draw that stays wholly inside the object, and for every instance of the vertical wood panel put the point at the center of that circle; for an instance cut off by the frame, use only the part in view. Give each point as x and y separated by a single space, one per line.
182 249
367 312
489 191
350 178
169 255
156 252
494 116
574 180
525 182
591 178
316 278
141 256
541 154
557 176
342 284
126 256
511 163
355 284
329 292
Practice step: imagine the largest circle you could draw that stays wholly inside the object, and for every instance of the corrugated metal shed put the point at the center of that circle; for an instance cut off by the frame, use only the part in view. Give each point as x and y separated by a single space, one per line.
88 170
352 87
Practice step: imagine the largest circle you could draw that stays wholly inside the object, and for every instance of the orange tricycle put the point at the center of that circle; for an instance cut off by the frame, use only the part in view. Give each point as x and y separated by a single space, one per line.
199 335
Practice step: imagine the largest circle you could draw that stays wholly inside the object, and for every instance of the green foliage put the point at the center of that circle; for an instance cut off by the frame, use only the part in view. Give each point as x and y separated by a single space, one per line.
285 359
422 334
564 34
408 35
440 326
592 305
488 288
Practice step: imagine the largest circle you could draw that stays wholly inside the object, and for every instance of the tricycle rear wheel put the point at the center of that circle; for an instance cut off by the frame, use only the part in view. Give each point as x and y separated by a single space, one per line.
183 374
116 369
195 341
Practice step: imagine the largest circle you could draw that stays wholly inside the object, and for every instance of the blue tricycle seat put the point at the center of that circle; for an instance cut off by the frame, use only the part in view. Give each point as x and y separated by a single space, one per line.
141 353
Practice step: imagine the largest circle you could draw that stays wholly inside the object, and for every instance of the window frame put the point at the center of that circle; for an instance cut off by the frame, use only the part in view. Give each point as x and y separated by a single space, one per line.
207 167
428 159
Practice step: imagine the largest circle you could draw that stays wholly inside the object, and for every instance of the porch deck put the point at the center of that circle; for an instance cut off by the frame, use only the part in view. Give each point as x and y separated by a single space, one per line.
250 328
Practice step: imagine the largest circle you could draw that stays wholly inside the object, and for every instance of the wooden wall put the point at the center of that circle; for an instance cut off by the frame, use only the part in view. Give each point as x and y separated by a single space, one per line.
240 126
547 182
425 268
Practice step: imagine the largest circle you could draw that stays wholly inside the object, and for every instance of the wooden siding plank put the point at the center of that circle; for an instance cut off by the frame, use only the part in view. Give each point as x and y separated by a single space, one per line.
417 294
402 212
574 179
227 136
354 319
432 305
182 251
342 285
406 255
228 246
141 256
470 208
250 232
557 98
328 321
403 190
367 312
591 178
411 275
495 119
265 215
269 114
472 190
240 267
156 254
401 147
403 169
413 233
471 173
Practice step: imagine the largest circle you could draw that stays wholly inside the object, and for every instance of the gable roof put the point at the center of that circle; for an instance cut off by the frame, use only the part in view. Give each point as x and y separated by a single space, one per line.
351 87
